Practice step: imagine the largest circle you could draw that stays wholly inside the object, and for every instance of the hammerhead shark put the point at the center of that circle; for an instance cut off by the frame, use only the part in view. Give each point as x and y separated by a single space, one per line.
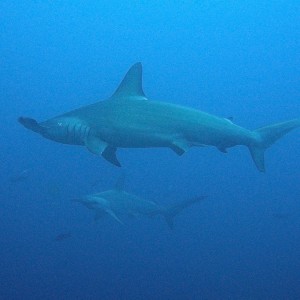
129 120
117 202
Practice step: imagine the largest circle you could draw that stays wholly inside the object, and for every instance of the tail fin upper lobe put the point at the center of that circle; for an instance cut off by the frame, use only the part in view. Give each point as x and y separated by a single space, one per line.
268 135
169 212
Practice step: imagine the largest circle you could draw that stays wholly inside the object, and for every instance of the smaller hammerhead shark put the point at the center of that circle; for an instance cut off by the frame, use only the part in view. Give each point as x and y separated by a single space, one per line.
117 202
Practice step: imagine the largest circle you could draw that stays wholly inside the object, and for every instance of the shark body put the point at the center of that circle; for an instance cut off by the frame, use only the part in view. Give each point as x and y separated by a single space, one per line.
129 120
117 203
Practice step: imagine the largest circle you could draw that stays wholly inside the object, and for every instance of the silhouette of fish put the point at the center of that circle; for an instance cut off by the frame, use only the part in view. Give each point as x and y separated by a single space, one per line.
21 176
63 236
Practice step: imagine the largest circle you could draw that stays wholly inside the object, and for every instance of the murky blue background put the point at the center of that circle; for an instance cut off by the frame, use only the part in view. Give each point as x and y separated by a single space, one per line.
235 59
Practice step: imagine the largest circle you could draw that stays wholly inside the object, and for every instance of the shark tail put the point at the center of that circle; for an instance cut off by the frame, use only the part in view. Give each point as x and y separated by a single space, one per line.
267 136
169 212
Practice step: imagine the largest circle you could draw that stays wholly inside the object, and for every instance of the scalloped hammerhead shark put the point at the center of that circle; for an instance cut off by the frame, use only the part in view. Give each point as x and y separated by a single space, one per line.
116 202
129 120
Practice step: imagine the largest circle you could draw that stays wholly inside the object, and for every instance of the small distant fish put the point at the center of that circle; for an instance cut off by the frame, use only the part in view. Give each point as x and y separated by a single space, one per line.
63 236
23 175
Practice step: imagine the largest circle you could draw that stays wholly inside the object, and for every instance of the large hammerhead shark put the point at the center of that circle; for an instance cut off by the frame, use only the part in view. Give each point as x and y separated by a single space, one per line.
129 120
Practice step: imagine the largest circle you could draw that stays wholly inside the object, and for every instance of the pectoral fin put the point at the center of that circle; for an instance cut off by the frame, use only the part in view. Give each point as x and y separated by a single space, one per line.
99 147
95 145
180 146
112 214
110 155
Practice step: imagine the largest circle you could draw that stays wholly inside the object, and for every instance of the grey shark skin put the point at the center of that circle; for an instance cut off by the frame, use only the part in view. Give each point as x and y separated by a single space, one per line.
117 202
129 120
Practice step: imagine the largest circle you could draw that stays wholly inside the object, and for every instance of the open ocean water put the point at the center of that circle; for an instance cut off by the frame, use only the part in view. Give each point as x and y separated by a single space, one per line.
235 59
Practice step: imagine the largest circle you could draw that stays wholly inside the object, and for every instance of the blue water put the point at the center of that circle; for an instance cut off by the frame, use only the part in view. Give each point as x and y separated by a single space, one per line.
235 59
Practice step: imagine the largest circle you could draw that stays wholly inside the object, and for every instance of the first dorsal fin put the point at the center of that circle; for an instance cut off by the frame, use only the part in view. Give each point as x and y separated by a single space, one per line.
131 85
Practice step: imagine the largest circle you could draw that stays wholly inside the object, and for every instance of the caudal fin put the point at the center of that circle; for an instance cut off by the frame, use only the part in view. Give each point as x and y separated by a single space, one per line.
266 136
169 212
